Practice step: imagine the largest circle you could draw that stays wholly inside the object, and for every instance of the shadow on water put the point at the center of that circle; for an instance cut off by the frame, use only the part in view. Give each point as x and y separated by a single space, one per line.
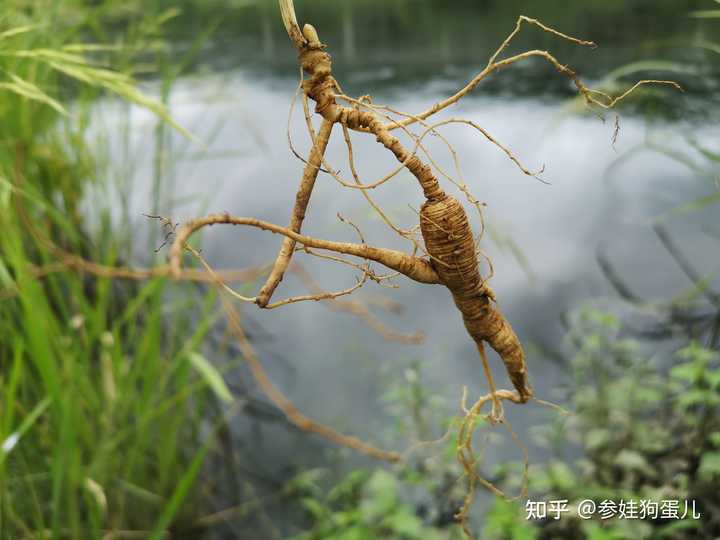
411 54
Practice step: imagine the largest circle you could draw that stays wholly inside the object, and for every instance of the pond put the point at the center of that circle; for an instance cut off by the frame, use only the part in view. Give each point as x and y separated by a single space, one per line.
544 239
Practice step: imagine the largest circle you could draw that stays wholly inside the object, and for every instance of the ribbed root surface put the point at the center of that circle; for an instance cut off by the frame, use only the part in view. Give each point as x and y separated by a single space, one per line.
449 240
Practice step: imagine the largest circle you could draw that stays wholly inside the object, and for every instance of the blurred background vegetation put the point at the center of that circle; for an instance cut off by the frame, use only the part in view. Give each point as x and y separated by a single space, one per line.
118 398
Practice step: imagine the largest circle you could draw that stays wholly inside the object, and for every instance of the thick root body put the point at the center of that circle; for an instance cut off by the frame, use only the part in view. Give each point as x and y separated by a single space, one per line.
449 240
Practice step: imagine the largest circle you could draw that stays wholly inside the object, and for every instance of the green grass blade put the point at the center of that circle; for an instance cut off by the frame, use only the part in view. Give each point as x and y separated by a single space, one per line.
693 206
30 91
181 491
211 376
651 65
18 30
709 46
706 14
13 439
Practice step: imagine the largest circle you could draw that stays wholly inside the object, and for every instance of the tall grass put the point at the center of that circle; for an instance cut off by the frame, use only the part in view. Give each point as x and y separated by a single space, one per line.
104 397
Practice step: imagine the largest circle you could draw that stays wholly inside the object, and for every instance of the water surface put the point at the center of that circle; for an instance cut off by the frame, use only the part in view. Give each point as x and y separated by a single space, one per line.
546 237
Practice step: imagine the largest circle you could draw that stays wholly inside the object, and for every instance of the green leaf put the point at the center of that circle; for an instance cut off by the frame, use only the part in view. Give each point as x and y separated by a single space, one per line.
693 206
697 396
595 531
167 15
685 372
561 475
13 439
709 465
90 47
313 507
696 353
649 395
50 54
671 530
80 68
30 91
405 523
706 14
709 154
709 46
5 192
698 289
650 65
307 482
597 438
632 460
714 439
211 375
603 318
349 488
506 520
380 497
18 30
181 491
713 378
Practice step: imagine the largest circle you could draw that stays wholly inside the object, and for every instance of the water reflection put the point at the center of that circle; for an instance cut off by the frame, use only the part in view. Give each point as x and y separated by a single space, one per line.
403 42
330 363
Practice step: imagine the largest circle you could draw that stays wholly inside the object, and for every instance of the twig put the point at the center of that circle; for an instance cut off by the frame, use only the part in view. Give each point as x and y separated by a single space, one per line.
413 267
302 200
358 309
495 65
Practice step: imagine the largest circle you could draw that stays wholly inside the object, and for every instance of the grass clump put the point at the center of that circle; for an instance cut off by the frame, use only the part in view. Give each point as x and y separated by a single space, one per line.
102 400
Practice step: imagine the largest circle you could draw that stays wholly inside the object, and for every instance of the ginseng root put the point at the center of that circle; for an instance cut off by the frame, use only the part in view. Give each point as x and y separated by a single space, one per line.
449 241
